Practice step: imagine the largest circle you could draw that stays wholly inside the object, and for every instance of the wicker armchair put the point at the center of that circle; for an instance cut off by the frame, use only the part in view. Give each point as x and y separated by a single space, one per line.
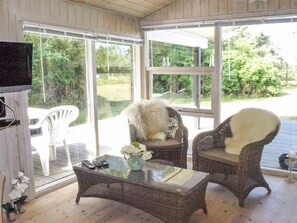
238 173
172 149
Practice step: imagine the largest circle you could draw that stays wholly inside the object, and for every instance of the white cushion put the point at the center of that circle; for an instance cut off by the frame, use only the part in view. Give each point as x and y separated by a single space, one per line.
150 118
250 125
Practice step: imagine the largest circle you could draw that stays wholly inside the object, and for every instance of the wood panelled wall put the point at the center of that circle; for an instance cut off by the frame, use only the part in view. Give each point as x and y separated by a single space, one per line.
209 10
15 146
73 15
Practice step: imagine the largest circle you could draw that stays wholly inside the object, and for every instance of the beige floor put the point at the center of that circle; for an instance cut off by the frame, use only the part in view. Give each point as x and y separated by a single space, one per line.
222 205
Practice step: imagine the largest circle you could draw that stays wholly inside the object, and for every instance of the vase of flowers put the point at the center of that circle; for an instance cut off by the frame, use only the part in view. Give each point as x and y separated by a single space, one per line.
19 186
136 154
18 199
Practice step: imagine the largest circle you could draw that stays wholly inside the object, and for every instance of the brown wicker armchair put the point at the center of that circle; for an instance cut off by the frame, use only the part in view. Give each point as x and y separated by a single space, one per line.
172 149
239 173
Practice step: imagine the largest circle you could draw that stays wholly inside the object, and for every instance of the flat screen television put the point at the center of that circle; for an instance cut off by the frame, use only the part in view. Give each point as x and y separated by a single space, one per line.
15 66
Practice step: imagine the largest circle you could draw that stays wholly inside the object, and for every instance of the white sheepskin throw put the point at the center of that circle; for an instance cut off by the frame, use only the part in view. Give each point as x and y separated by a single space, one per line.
150 118
250 125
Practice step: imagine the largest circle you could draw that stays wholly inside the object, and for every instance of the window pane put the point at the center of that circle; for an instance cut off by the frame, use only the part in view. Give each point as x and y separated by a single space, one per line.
115 92
182 48
184 90
59 78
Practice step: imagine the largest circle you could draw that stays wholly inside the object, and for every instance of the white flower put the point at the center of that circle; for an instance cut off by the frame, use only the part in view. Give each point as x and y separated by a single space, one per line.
26 180
142 147
147 156
14 181
20 185
20 174
136 149
127 149
14 194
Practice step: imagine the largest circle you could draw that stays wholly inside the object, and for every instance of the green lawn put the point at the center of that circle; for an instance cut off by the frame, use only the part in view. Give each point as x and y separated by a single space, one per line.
115 94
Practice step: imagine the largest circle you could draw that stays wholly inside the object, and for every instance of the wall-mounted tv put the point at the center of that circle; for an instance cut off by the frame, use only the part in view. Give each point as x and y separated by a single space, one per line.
15 66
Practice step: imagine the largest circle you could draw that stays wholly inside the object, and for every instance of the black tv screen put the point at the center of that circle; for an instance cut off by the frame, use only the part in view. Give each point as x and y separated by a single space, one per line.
15 66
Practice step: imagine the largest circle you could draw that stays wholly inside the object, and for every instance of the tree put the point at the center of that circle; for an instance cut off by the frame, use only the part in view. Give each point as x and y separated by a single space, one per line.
250 65
63 68
173 55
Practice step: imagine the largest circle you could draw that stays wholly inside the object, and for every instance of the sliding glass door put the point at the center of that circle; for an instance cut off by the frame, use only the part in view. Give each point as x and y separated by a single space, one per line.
59 78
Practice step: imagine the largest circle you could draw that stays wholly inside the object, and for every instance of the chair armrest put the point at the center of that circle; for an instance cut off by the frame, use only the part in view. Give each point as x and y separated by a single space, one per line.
213 138
202 141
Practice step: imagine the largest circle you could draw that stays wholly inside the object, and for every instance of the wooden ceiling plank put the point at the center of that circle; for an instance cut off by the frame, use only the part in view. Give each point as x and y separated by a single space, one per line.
161 3
125 11
134 8
129 5
152 6
97 4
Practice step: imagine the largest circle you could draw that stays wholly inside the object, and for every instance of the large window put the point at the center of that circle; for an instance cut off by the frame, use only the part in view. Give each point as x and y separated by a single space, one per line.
181 69
115 81
114 67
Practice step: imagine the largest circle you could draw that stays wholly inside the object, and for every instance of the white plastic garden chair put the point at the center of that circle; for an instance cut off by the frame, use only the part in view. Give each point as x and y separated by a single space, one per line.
54 126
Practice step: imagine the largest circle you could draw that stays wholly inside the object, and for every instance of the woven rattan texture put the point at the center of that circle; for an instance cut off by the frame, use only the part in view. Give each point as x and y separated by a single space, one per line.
170 206
175 153
241 178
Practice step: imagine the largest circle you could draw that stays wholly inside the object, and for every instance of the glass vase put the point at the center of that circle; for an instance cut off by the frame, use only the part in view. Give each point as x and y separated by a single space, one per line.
135 162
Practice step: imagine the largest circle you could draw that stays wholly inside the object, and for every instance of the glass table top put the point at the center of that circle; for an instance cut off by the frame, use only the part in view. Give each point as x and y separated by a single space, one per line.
153 174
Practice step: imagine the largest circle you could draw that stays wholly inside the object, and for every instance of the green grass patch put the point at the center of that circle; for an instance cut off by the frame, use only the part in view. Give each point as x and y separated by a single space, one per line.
116 79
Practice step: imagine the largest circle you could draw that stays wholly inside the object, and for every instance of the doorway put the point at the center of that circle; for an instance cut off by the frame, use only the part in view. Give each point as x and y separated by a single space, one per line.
59 78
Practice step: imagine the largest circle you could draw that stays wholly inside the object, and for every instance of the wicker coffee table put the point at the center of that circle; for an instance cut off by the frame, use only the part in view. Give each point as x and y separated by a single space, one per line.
169 193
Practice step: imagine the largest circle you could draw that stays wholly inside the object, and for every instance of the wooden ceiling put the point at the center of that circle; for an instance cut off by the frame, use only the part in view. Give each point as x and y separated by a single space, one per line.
133 8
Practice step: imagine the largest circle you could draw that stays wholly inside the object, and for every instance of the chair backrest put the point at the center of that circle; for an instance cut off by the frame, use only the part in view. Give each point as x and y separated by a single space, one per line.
149 118
1 192
172 113
250 125
57 120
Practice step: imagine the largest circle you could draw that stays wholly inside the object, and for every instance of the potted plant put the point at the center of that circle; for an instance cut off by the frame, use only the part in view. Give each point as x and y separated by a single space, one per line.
9 211
136 154
19 186
18 199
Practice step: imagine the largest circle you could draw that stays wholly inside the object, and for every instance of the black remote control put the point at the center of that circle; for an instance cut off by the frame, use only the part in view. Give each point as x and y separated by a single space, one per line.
100 164
104 163
97 163
88 164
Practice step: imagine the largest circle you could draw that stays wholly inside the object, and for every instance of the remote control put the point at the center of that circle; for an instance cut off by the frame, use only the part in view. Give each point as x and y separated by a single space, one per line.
88 164
100 164
104 163
97 163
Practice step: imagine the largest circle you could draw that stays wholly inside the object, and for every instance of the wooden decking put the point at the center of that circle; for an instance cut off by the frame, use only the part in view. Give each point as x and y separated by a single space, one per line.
58 168
285 141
